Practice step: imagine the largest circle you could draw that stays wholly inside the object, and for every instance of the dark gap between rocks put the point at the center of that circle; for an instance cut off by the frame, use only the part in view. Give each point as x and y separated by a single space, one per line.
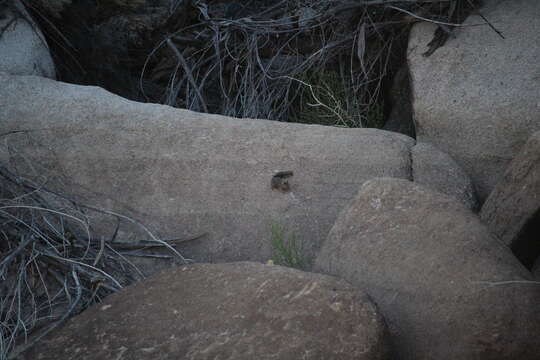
320 62
527 245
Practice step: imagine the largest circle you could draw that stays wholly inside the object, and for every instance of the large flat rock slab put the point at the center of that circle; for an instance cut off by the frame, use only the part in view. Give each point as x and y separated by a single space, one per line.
447 288
476 98
185 173
238 311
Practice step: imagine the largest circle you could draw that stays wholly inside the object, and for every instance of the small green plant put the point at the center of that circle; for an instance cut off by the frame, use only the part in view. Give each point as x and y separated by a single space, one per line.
286 248
374 116
325 100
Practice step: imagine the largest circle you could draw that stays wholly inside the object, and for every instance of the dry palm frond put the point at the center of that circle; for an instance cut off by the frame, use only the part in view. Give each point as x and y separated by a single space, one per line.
50 266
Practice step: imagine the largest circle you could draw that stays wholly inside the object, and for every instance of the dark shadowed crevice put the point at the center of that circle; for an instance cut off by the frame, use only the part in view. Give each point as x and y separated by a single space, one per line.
526 247
411 161
318 62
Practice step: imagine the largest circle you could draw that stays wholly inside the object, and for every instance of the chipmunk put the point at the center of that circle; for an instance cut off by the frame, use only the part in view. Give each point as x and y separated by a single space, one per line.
280 181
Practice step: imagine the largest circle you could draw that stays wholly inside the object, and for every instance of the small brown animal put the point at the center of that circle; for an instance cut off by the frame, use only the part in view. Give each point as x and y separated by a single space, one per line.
280 181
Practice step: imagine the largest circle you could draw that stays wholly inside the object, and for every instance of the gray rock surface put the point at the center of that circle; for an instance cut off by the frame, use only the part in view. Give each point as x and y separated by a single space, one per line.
186 173
225 311
436 170
23 49
447 289
476 97
516 198
512 210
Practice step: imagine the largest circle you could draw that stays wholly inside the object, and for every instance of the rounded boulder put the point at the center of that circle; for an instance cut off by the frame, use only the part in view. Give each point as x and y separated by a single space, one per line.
225 311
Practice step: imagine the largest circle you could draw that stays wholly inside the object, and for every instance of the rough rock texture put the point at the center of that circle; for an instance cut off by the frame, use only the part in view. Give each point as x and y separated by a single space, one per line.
225 311
476 98
516 198
512 210
436 170
447 289
186 173
23 49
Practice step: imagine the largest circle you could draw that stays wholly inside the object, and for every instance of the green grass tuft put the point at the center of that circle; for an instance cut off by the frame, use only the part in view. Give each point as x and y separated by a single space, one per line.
286 248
